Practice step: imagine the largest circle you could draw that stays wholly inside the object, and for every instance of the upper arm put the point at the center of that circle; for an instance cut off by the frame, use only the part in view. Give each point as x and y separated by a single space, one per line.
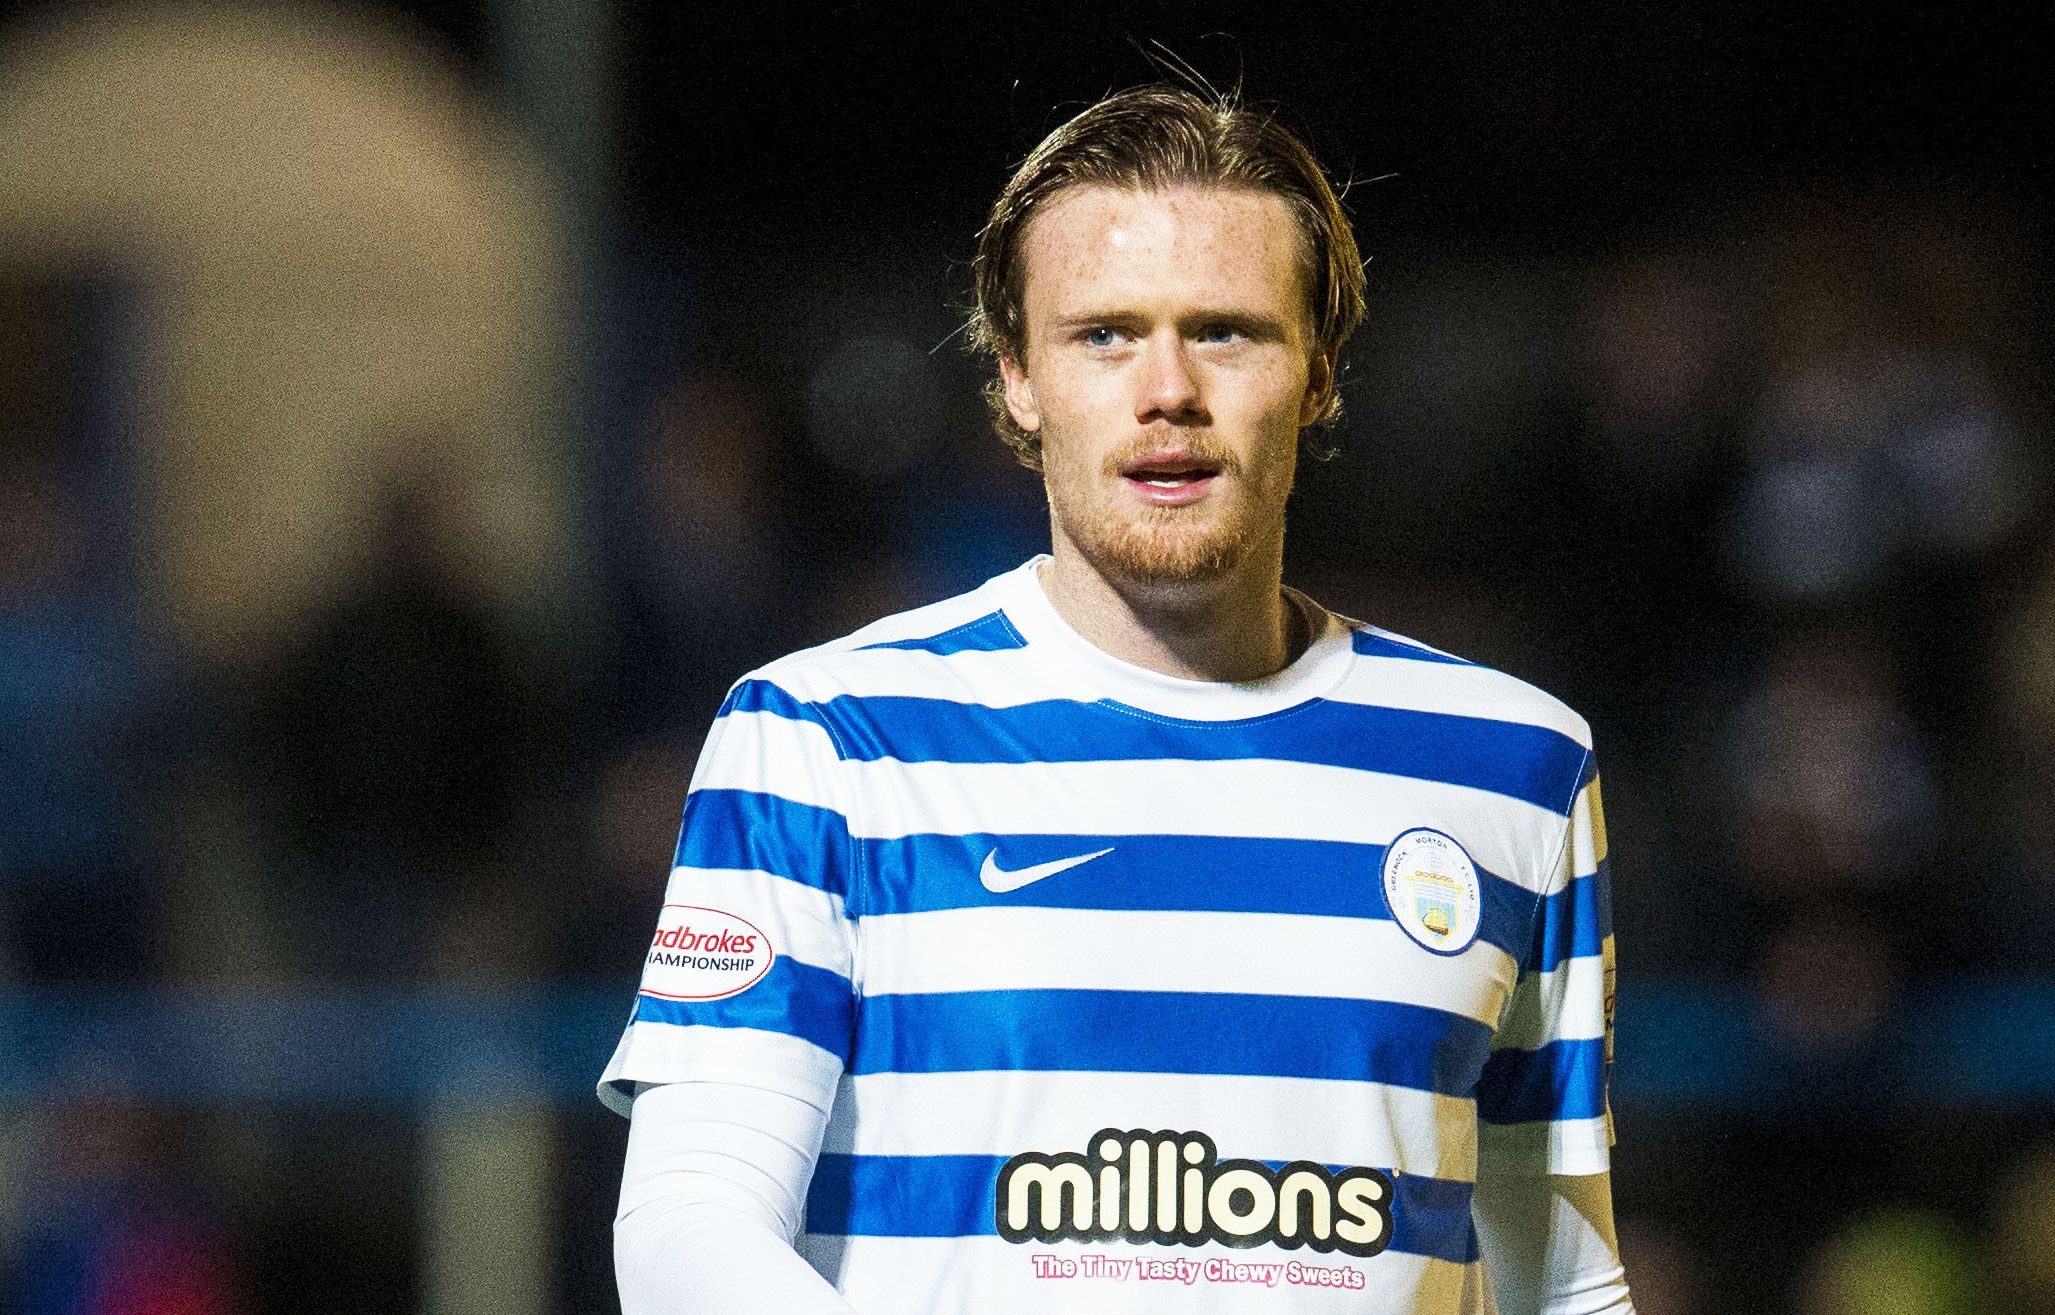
1542 1101
750 974
1543 1201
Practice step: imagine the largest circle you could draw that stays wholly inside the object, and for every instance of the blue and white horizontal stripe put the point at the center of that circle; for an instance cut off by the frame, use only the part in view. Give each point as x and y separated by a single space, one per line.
1228 966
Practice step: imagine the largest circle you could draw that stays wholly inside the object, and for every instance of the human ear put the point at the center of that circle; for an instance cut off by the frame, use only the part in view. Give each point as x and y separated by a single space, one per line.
1319 390
1020 395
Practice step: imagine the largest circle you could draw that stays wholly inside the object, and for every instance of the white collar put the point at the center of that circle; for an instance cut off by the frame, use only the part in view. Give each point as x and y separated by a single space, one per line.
1316 672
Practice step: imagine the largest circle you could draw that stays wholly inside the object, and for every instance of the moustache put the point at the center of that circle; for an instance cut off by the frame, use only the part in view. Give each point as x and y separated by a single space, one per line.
1195 447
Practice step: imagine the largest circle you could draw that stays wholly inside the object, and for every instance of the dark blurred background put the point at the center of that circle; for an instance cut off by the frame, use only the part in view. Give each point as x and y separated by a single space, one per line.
413 416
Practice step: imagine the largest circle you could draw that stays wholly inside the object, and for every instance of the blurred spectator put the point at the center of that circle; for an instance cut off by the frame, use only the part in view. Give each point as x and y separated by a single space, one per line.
73 899
340 247
1827 981
601 922
1881 442
708 580
1864 457
1660 342
78 684
1834 783
1658 356
391 741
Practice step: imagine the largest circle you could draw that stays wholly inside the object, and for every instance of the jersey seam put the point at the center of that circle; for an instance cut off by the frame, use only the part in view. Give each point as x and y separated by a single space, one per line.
1012 631
972 624
854 854
1555 863
852 851
1570 816
1399 641
1203 723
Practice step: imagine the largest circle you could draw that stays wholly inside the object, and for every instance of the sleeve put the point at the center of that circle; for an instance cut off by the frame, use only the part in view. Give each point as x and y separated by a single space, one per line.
711 1195
1541 1101
750 974
1549 1247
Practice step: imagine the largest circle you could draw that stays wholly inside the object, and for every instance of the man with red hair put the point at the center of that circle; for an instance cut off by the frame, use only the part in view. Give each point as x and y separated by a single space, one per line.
1132 933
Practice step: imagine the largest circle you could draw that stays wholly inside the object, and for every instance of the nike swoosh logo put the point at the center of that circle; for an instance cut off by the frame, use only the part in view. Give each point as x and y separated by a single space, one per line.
999 881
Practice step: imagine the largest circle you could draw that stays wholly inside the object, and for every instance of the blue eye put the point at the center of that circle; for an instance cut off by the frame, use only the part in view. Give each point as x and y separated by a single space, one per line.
1219 333
1100 337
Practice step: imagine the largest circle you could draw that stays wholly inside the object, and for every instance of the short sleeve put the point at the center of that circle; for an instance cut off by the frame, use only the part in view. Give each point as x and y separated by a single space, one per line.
749 976
1541 1102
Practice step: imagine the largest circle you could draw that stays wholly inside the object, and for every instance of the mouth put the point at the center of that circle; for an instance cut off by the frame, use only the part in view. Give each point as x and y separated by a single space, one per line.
1169 478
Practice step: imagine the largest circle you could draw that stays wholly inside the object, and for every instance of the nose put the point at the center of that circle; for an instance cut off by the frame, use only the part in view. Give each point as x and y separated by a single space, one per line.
1168 387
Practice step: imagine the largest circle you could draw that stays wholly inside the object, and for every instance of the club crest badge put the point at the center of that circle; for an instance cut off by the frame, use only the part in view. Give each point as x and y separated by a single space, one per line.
1432 889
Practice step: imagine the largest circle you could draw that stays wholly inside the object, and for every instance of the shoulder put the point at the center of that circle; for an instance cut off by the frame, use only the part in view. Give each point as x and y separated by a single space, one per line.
889 653
1525 754
1394 670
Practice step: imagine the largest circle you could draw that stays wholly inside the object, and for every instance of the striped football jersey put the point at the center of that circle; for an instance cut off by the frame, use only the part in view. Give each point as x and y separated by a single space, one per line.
1137 994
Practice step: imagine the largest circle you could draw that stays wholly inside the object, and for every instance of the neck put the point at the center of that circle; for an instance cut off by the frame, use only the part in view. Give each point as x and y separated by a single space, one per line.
1236 627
